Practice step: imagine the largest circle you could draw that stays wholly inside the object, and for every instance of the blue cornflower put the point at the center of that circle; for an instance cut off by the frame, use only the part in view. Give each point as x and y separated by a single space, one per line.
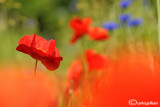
110 25
135 22
124 18
125 3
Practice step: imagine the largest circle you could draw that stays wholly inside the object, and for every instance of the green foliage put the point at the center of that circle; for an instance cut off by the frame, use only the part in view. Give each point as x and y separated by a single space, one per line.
50 18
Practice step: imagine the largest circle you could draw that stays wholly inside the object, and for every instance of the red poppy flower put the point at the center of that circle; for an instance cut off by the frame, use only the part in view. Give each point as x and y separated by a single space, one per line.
80 27
74 72
40 49
98 33
96 61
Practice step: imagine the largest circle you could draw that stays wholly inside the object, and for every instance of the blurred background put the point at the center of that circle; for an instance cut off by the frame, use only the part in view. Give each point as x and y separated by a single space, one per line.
50 19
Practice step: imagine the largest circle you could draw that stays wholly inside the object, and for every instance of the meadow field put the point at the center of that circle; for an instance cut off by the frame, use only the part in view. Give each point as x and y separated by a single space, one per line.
79 53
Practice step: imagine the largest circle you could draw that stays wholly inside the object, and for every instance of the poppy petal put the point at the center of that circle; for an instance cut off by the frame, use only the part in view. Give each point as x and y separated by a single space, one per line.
80 27
51 64
96 61
98 33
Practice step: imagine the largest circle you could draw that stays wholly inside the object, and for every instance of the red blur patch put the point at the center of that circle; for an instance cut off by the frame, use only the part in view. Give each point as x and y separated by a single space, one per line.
23 89
131 77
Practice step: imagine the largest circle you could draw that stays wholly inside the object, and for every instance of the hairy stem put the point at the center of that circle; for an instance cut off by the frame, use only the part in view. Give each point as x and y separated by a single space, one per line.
35 67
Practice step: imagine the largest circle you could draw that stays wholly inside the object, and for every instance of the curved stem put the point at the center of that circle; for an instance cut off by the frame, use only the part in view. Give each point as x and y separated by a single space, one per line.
35 67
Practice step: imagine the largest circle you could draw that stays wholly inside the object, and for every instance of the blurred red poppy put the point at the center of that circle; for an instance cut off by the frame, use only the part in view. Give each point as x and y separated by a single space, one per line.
80 27
74 73
98 33
129 81
40 49
22 89
96 61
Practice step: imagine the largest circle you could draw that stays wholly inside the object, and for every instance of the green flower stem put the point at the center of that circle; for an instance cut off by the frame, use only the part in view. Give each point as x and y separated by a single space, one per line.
158 13
35 67
83 54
